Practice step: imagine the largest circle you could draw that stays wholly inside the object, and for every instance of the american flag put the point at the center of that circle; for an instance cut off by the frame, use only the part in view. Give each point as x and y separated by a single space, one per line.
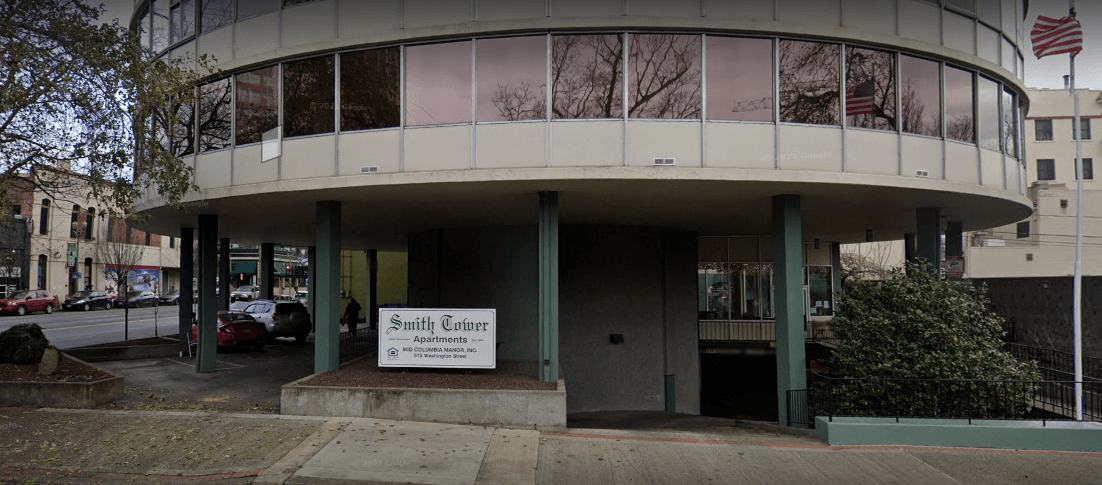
1056 36
859 99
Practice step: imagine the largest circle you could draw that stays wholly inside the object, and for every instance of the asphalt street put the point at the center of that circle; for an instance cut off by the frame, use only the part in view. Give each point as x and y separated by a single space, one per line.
79 328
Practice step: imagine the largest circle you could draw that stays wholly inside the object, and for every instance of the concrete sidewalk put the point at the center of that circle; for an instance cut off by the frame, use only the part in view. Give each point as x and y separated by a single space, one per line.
80 446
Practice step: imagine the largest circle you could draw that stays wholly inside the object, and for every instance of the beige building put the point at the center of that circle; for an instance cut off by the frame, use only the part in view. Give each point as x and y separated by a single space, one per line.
1044 244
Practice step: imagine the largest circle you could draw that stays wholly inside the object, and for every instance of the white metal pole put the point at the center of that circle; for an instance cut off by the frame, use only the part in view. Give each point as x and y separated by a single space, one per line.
1077 311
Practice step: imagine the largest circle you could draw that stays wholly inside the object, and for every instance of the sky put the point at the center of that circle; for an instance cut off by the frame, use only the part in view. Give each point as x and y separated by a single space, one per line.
1040 73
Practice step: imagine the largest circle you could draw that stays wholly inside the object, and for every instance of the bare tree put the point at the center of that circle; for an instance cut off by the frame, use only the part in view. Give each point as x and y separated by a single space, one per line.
120 258
868 261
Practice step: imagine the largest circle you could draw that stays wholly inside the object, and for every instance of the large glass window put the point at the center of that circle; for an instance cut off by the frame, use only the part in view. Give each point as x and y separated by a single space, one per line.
586 77
182 134
215 109
989 114
1010 123
921 96
257 104
809 82
143 29
512 79
968 6
216 13
958 105
819 288
664 76
1042 130
370 89
740 79
715 291
183 19
161 25
870 89
308 91
252 8
438 84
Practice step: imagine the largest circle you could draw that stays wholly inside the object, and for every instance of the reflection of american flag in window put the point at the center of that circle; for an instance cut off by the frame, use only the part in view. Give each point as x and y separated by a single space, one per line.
859 99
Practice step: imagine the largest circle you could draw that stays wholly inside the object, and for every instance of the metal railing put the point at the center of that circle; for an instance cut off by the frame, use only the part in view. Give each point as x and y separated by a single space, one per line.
738 331
362 343
1058 363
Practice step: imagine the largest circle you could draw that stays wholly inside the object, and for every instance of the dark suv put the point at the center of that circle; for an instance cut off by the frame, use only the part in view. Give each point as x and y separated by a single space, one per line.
87 300
281 318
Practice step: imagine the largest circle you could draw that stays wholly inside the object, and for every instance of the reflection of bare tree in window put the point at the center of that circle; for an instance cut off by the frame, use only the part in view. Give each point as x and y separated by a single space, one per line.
308 96
915 120
665 76
214 115
216 13
370 89
585 76
959 116
161 25
863 65
257 105
181 117
809 82
1010 141
520 102
960 128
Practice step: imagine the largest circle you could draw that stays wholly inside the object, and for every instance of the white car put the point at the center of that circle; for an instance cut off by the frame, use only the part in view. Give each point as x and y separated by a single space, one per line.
245 293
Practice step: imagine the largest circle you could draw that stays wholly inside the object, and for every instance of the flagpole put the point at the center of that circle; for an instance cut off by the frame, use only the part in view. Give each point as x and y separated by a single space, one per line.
1078 308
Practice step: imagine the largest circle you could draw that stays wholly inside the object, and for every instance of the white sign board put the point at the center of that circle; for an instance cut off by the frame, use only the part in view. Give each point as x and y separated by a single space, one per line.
435 337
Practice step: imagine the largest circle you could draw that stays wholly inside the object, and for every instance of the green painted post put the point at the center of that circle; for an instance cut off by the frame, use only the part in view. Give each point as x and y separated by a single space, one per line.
372 301
549 286
954 238
311 284
836 272
187 284
671 393
789 299
208 319
267 271
224 273
328 286
928 238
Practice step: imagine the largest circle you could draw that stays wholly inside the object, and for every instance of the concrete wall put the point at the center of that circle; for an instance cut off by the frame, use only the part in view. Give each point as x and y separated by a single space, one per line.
1041 310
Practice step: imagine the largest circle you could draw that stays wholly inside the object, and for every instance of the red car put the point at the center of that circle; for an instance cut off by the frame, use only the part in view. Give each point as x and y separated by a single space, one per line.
236 328
24 302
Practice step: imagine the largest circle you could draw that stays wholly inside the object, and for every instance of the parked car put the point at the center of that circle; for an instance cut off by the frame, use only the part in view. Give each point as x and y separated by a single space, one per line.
171 298
282 318
247 293
87 300
137 299
301 296
24 302
236 329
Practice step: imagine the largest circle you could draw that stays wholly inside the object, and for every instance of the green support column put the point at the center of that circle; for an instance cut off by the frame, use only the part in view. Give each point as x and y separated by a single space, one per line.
928 238
311 284
836 271
328 286
954 238
372 302
549 286
208 318
267 271
789 299
224 273
187 285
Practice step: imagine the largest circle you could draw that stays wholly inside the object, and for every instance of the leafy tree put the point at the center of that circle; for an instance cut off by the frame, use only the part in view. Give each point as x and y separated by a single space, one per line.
925 329
77 94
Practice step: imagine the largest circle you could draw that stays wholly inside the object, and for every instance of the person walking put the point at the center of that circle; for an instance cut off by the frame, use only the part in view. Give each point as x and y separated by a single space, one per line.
352 316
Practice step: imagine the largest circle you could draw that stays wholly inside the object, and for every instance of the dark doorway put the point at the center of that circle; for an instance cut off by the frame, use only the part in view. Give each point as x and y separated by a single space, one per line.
738 386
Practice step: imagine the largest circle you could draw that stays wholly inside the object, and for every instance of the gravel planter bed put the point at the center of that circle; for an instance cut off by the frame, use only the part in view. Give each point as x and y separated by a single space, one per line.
68 370
366 372
75 384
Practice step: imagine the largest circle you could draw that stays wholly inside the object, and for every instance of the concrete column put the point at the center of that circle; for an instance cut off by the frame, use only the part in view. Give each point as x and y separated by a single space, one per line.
311 285
954 238
372 301
836 271
224 273
187 286
328 285
789 299
549 286
909 247
928 237
208 319
267 270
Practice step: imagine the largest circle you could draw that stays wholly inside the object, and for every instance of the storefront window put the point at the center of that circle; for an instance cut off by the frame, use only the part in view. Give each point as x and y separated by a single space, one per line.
438 84
257 104
870 89
921 95
308 91
958 105
370 89
215 109
809 82
512 79
819 283
714 291
740 79
585 76
664 76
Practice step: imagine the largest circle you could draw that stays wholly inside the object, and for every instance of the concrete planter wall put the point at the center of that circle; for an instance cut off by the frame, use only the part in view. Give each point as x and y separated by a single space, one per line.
171 348
61 394
541 409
